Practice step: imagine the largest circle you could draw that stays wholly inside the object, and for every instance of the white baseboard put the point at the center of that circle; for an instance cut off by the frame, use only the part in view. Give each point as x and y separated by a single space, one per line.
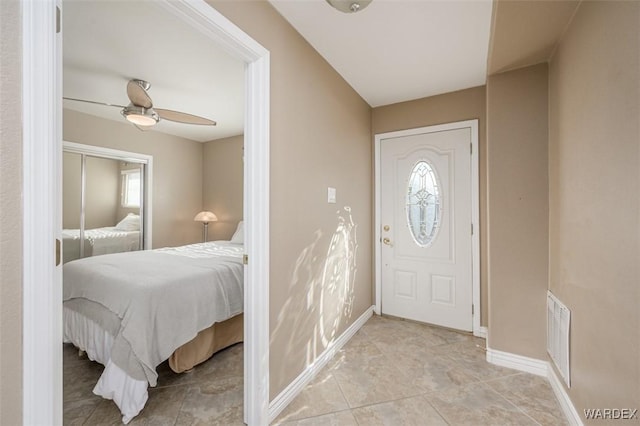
539 368
285 397
517 362
568 409
481 332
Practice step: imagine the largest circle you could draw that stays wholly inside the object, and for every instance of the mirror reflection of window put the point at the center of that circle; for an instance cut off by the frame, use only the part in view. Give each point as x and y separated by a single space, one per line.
130 188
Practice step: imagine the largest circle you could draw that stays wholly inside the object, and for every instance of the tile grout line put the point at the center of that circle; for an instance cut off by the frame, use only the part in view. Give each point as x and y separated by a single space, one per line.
342 393
186 392
387 401
512 403
442 416
316 416
495 379
89 416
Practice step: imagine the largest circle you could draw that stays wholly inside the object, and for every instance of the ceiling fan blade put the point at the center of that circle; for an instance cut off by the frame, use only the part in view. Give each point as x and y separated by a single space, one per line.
183 117
136 90
92 102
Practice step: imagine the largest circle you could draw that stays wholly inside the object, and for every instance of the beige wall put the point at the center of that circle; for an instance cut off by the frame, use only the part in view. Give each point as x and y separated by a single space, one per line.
594 156
223 184
456 106
517 132
320 137
177 172
10 214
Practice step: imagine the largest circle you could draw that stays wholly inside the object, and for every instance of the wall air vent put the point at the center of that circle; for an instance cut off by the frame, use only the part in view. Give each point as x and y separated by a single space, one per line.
558 325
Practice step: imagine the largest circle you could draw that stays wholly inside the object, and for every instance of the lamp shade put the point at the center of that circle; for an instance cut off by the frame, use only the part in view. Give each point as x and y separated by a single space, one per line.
205 217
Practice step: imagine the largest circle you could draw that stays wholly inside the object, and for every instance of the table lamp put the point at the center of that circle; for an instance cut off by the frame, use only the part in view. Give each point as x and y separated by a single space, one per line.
205 217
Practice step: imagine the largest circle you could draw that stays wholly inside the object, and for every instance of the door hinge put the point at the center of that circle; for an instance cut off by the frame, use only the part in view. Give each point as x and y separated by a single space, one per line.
57 20
245 259
473 309
57 252
471 148
472 229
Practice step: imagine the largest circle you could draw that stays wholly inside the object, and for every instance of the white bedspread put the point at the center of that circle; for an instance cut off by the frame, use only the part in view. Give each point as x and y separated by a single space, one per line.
162 297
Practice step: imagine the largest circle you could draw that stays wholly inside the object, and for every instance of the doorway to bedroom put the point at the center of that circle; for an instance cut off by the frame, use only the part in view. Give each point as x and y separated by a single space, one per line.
253 195
194 137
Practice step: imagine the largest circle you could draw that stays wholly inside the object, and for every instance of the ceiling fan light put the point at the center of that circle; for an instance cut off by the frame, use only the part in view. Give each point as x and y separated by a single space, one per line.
140 116
349 6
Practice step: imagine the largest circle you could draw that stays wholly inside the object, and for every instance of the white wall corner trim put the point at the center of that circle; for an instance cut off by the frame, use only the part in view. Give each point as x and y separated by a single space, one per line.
566 405
289 393
204 18
481 332
517 362
42 156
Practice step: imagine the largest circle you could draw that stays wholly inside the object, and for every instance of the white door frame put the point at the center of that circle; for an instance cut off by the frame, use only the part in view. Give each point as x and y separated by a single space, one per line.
475 210
42 164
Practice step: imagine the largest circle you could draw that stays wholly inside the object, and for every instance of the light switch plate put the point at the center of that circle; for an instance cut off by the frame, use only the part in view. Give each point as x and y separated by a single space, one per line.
331 195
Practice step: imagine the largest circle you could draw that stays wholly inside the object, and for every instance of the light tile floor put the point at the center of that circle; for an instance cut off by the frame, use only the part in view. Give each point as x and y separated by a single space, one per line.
392 372
209 394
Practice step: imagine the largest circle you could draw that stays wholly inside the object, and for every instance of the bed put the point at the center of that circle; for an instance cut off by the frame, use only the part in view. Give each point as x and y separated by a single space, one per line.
132 311
124 236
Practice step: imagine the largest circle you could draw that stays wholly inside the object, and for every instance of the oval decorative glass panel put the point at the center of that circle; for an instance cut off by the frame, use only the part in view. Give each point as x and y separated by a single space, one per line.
423 203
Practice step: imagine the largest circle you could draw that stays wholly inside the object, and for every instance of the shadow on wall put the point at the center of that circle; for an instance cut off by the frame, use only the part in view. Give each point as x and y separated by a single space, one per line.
328 283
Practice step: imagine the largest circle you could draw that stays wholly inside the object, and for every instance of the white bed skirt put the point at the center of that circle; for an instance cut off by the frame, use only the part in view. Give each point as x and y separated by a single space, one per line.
129 394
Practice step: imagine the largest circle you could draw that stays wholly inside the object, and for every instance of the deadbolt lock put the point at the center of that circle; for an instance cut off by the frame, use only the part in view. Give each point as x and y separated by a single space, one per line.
386 228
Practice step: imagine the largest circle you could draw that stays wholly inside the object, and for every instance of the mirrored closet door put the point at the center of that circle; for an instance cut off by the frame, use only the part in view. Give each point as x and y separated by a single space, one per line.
104 196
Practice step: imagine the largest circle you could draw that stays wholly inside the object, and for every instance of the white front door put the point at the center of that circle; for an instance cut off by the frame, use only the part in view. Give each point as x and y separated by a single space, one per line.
425 216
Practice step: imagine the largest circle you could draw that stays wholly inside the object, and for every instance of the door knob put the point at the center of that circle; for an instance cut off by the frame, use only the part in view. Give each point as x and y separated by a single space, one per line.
387 241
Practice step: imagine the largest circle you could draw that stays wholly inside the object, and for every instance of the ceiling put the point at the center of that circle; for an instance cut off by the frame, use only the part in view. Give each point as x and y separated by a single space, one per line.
106 43
392 51
399 50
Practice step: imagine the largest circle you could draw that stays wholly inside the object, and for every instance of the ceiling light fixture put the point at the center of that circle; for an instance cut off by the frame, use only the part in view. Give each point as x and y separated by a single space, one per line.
349 6
140 116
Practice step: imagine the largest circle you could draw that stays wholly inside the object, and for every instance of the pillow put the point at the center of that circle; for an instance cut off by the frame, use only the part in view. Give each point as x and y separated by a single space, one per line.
238 236
131 222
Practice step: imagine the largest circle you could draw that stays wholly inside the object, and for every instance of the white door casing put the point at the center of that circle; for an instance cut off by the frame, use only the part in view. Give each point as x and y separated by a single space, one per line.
42 161
430 274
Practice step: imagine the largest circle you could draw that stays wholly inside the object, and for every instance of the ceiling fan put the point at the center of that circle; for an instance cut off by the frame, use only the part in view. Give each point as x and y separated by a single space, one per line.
141 112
